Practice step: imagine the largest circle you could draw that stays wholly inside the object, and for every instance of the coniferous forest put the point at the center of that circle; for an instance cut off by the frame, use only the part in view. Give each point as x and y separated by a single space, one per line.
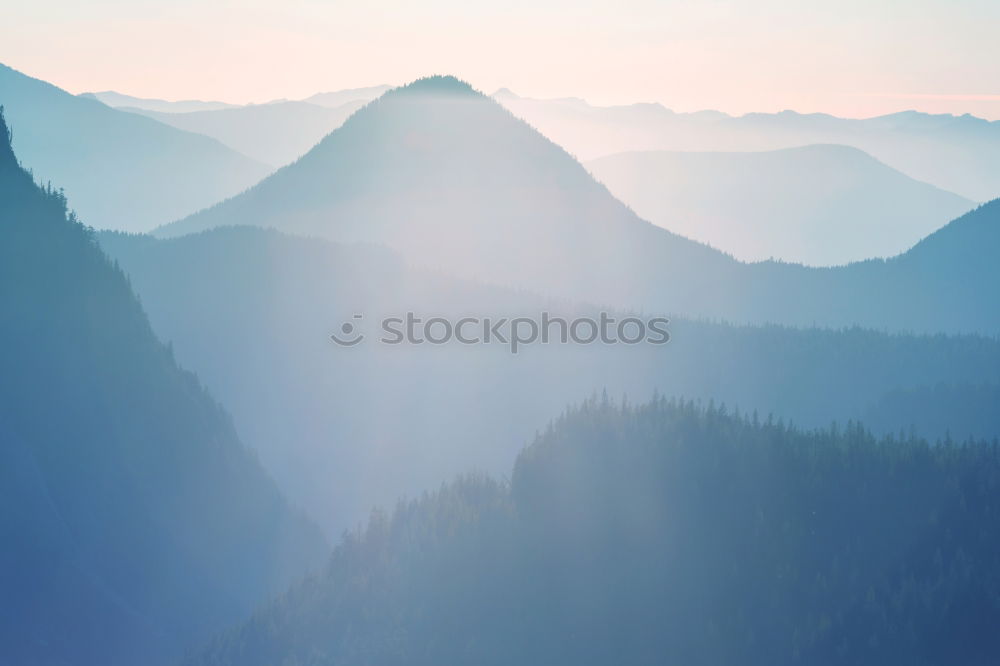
314 354
133 519
659 533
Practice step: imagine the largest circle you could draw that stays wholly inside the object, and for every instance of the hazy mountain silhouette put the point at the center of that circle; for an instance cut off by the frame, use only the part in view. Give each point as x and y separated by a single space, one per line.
120 170
956 153
447 176
664 533
820 205
132 520
339 98
117 100
343 429
274 134
331 100
452 180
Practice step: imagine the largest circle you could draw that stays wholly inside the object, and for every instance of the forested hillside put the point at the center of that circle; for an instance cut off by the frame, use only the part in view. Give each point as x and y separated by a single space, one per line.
665 533
414 375
941 411
343 429
133 523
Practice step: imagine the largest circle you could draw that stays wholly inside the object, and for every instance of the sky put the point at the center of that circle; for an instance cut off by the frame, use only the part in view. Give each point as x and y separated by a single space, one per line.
848 57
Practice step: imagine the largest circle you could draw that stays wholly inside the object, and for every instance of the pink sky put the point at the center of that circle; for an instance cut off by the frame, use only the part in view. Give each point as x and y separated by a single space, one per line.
849 58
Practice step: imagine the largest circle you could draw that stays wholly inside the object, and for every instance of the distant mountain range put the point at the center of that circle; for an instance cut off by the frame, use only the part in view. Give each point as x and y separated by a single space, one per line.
453 181
825 207
115 99
338 98
344 429
273 134
960 154
133 522
820 205
331 100
119 170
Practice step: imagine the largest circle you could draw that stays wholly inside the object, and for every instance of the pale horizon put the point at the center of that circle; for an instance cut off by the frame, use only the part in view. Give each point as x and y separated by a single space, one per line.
850 59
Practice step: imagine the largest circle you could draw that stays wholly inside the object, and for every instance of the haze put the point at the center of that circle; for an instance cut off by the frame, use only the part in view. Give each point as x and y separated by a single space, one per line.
851 58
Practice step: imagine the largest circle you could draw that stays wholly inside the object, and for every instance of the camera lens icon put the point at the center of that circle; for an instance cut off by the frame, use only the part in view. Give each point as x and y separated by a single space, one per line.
349 334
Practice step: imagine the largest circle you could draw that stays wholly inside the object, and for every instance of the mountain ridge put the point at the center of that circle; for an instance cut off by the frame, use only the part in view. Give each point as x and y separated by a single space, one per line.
819 205
454 181
286 294
667 532
274 134
133 522
121 170
955 153
117 100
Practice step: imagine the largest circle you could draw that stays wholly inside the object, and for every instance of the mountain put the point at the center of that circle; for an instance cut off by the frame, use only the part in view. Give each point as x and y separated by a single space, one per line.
339 98
133 523
451 180
343 429
273 134
817 205
955 153
120 170
115 99
943 411
332 100
664 533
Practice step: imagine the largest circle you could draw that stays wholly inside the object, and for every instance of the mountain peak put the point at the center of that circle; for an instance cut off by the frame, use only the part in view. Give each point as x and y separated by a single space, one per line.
437 85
